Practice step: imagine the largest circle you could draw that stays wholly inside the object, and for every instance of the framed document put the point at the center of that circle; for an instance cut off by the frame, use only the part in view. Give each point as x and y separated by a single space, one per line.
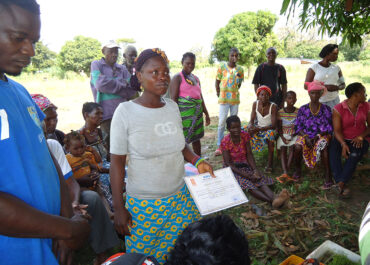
215 194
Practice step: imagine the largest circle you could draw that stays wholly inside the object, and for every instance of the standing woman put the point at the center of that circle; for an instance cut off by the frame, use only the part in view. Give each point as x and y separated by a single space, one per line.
186 91
328 73
351 121
148 129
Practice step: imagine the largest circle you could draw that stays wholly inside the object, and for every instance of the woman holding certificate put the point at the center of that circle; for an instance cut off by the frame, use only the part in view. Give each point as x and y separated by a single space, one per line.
149 131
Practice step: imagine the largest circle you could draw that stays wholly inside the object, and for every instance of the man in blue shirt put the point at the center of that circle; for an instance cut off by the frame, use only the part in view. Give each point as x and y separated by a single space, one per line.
34 203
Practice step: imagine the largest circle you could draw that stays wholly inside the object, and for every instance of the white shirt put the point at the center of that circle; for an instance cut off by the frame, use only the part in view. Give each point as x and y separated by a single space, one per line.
328 75
153 139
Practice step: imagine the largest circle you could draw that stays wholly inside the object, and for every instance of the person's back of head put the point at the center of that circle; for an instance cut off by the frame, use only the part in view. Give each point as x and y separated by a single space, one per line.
211 241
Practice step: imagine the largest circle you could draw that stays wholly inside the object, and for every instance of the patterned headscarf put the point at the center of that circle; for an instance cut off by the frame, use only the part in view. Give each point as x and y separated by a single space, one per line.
140 61
315 85
266 88
42 101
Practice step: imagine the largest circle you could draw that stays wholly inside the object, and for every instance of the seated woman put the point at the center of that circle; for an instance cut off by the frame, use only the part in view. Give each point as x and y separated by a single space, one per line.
237 154
351 120
263 123
51 119
186 91
314 127
93 115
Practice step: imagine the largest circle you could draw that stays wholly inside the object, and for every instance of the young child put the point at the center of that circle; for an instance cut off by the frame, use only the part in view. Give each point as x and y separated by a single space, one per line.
237 155
263 124
286 121
85 168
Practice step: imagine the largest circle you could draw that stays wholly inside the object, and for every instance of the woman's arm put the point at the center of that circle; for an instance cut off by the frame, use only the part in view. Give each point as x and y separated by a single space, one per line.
358 141
251 128
175 87
338 132
191 157
228 162
309 77
122 217
205 111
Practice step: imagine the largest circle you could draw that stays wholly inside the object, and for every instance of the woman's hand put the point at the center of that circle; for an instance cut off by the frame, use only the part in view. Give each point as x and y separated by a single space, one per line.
256 175
122 220
345 150
208 120
357 142
253 130
204 167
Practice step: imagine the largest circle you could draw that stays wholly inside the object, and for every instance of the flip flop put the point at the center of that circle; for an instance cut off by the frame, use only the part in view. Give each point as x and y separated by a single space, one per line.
218 152
345 194
284 178
296 178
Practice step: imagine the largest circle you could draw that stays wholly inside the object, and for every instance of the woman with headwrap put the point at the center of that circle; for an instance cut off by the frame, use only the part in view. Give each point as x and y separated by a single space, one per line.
148 129
263 124
314 127
51 119
328 73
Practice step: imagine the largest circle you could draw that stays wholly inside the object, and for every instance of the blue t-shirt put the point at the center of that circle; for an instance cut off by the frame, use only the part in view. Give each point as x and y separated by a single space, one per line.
27 171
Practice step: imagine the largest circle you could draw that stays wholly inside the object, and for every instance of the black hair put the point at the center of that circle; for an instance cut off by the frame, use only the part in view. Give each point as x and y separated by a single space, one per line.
234 49
231 119
353 88
29 5
186 55
290 92
327 50
211 241
73 135
140 62
89 107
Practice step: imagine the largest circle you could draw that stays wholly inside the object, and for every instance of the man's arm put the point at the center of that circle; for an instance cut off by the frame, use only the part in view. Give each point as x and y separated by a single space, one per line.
106 84
217 85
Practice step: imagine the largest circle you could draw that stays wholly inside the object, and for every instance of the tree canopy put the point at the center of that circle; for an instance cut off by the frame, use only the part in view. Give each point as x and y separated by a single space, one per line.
251 33
44 58
349 19
77 55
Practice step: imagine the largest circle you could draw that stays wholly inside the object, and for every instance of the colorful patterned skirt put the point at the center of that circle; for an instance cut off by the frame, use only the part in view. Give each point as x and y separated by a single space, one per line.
312 155
259 140
156 223
247 184
192 118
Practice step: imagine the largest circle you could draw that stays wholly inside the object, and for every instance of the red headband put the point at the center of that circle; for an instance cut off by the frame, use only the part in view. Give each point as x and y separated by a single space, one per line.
266 88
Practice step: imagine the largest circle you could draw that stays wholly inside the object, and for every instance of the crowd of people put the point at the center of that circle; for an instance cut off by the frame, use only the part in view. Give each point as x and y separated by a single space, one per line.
122 172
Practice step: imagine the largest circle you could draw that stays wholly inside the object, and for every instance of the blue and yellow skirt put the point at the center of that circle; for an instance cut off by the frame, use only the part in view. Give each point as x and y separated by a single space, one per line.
156 223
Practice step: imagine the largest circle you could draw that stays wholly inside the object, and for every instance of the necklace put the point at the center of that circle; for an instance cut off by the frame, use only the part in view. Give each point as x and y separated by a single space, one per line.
315 113
91 133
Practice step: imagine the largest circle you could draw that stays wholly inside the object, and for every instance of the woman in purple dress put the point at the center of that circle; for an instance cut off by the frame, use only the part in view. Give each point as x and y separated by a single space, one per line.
314 127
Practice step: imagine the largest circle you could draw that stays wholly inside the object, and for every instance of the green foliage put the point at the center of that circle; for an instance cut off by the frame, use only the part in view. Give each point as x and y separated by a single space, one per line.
251 33
44 58
350 53
342 260
305 49
125 41
332 17
77 55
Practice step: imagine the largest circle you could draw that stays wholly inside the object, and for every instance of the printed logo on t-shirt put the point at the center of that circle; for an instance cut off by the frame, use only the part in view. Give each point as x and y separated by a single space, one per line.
4 125
163 129
34 116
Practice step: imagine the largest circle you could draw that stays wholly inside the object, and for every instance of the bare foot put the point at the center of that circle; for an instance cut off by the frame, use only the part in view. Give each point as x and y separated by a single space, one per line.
281 199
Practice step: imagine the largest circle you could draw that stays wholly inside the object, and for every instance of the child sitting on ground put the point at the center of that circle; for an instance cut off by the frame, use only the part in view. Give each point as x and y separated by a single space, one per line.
85 168
286 121
263 123
237 154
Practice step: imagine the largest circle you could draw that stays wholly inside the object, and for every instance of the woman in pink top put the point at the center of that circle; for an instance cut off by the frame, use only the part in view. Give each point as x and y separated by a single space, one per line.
351 120
186 92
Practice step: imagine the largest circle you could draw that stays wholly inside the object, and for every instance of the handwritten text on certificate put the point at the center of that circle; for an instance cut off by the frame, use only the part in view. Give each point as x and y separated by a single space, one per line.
215 194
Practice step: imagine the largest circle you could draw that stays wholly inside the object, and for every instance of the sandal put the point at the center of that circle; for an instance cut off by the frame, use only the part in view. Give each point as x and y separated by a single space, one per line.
345 193
296 177
327 185
284 178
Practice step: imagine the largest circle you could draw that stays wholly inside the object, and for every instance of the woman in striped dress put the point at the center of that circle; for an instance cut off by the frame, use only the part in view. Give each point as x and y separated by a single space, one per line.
186 91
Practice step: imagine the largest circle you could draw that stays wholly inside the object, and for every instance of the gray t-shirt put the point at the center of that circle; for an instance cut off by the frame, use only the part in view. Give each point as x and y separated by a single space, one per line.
153 139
